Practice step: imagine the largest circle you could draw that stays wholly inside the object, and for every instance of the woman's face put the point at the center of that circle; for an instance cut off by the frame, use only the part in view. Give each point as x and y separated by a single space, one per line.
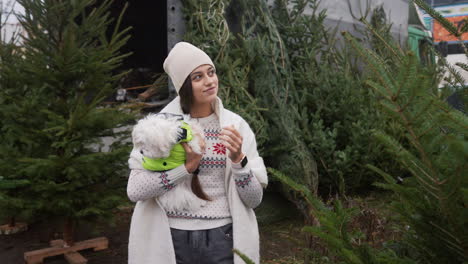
204 84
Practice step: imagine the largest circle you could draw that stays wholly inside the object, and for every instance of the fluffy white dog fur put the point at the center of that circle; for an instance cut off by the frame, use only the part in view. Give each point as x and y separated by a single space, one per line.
154 136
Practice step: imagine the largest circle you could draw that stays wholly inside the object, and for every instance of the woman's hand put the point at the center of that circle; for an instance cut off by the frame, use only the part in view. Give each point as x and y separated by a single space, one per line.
232 139
192 159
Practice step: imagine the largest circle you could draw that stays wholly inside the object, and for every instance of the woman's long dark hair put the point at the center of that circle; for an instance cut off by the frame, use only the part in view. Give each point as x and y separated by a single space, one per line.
186 95
186 101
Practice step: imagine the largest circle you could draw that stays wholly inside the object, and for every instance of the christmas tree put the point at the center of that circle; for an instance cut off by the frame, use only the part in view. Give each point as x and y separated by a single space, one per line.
65 71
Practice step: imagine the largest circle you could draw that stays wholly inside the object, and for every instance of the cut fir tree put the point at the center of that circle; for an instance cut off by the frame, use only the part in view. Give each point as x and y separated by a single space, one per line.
67 69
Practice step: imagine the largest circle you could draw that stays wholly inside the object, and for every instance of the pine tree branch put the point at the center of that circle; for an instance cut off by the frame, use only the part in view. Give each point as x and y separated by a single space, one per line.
380 89
376 63
457 117
454 72
246 259
382 40
408 159
449 26
420 113
433 181
415 141
455 242
425 132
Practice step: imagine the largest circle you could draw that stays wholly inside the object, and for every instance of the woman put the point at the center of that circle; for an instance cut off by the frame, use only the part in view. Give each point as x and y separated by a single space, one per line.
230 172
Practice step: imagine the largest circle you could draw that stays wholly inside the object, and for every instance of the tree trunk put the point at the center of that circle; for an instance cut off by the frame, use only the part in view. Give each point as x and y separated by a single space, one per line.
311 240
68 232
12 222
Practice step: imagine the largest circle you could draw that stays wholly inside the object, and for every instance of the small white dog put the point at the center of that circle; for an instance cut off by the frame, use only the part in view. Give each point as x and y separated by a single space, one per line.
157 137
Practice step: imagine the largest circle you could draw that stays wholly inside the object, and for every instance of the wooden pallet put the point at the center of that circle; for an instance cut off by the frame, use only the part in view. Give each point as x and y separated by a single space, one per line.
70 253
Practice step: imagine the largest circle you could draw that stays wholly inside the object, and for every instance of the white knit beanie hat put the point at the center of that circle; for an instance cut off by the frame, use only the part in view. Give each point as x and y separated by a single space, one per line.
182 60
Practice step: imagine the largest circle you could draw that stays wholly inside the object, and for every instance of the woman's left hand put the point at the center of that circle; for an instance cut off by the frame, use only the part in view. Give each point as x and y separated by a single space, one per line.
232 139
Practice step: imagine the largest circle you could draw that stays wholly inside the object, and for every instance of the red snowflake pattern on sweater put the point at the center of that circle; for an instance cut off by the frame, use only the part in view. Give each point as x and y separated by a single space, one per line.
219 149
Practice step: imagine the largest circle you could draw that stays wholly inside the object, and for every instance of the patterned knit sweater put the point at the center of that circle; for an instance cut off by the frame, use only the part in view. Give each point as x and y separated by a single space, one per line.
144 184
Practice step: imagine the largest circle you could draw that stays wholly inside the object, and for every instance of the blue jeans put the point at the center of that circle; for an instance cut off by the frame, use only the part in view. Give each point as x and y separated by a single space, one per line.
212 246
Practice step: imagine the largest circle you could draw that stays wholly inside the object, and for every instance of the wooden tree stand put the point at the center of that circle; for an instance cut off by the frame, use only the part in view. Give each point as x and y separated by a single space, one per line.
71 253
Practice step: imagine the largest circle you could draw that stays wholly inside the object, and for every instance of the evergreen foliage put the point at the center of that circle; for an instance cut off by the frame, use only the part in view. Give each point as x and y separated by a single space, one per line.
338 111
210 31
54 118
246 259
432 202
280 70
431 205
15 196
343 245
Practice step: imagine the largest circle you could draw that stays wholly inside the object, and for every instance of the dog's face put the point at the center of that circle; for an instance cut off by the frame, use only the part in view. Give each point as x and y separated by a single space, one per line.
155 135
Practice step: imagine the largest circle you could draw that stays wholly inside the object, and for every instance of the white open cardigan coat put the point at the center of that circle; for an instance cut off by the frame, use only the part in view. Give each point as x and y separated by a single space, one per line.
150 239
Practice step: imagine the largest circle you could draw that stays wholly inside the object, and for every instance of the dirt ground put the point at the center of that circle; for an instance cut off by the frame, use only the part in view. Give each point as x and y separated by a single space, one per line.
281 239
275 241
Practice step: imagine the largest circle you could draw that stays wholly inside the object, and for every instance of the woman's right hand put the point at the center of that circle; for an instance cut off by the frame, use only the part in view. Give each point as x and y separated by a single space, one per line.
192 159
